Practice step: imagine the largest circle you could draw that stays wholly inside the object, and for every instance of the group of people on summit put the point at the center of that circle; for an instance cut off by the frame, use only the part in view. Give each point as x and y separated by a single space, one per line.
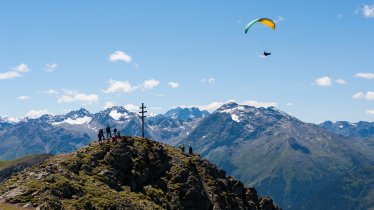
116 134
183 148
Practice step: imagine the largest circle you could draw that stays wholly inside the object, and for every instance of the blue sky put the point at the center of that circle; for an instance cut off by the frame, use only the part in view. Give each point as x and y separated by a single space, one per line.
56 56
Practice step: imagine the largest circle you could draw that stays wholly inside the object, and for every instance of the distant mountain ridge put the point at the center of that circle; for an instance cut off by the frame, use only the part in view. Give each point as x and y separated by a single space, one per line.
359 130
186 113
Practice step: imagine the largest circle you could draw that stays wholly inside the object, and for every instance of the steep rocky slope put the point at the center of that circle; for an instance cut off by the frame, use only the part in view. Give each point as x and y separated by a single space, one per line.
276 153
8 168
132 174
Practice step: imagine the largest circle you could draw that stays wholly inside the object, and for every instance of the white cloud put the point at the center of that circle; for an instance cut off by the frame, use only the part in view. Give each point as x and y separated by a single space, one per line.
365 75
50 67
120 86
359 95
16 71
22 68
131 107
120 56
211 107
323 81
37 113
22 98
74 96
370 111
210 80
259 104
341 81
51 92
289 104
368 96
173 84
150 84
368 11
109 104
279 19
9 75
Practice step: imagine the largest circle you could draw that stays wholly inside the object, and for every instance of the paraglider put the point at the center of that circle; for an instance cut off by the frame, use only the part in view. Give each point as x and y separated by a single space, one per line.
266 21
266 53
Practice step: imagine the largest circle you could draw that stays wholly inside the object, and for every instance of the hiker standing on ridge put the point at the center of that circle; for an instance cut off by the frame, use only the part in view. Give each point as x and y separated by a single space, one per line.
100 135
119 134
190 148
115 132
108 132
183 148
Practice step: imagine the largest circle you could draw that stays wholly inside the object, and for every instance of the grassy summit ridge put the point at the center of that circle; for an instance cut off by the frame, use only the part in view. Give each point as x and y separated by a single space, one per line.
132 174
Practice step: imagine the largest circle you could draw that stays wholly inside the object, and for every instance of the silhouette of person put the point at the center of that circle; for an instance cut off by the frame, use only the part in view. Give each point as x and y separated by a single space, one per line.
183 148
108 132
190 149
118 134
100 135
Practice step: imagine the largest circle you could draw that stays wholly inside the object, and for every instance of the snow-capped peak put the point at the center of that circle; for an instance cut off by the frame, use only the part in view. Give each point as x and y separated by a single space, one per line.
186 113
10 120
78 113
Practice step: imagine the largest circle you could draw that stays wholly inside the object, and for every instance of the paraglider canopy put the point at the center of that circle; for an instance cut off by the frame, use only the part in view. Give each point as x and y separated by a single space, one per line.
266 21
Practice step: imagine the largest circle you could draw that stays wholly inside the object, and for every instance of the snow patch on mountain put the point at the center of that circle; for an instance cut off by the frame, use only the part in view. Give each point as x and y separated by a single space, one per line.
77 121
235 117
116 115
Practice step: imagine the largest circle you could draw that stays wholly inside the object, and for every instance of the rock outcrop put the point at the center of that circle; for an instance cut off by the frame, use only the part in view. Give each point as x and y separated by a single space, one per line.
133 173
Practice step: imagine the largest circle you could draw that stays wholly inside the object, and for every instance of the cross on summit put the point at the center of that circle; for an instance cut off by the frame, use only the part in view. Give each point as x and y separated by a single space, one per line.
143 117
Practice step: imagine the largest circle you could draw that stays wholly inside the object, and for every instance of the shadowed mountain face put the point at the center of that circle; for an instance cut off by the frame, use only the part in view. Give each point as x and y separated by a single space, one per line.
4 124
275 152
355 190
131 174
66 133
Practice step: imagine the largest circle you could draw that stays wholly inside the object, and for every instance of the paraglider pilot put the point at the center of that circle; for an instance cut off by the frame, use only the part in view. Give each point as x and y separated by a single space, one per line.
266 53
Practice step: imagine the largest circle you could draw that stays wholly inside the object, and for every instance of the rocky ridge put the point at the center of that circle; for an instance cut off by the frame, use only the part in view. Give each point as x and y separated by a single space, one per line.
134 173
20 164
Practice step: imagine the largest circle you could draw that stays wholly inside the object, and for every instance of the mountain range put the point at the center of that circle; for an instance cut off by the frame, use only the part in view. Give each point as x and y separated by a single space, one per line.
65 133
275 152
293 161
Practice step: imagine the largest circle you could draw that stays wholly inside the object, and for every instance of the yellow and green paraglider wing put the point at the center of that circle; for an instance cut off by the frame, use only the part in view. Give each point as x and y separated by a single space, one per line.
266 21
